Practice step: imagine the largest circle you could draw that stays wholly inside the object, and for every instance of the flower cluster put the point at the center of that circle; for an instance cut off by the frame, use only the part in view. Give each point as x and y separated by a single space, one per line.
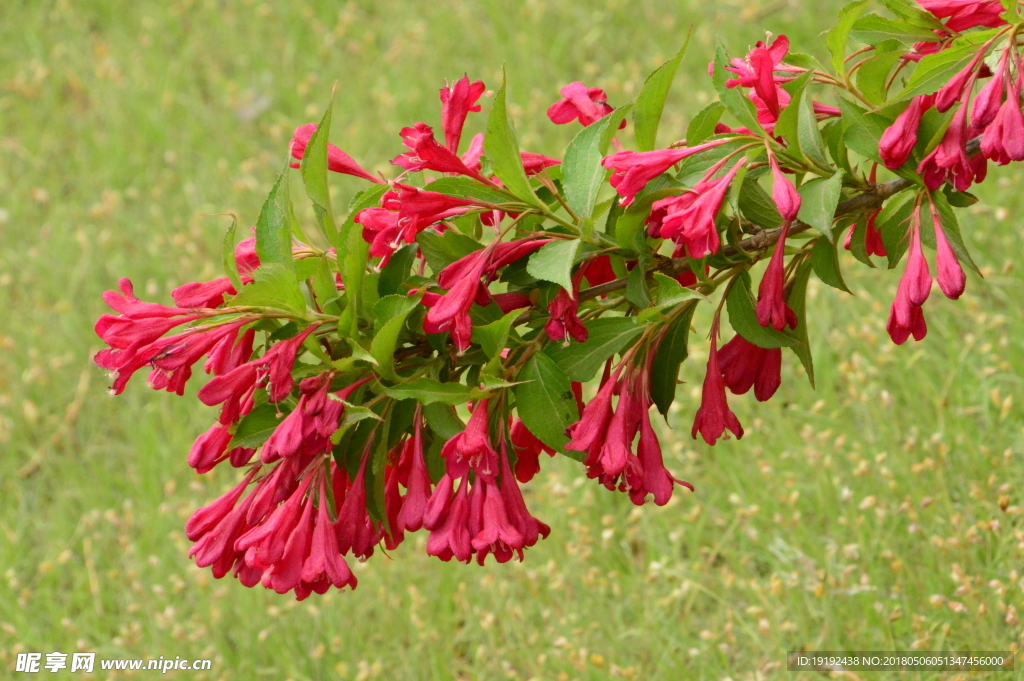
404 369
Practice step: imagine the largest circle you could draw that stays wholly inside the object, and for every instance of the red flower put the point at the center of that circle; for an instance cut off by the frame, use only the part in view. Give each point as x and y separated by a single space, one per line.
1003 140
563 311
337 160
427 154
691 218
772 309
580 102
528 449
325 562
950 275
965 14
784 194
457 101
899 139
632 170
950 162
714 415
745 365
410 518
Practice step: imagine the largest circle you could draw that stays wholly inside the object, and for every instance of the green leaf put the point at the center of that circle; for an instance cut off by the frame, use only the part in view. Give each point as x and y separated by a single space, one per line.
324 287
314 176
468 188
825 261
274 286
493 337
273 227
757 206
935 70
442 250
839 34
397 270
787 125
353 257
428 391
502 150
583 176
873 74
811 144
703 124
443 420
743 317
554 261
670 292
636 287
256 427
228 254
912 12
671 353
951 228
607 336
818 201
798 303
545 401
863 130
874 29
384 343
353 413
651 101
834 136
738 105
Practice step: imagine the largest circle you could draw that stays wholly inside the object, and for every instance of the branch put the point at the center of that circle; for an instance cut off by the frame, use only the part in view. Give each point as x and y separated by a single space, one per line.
869 200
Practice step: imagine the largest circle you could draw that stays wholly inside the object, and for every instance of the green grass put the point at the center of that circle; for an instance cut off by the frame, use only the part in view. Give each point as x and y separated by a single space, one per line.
861 515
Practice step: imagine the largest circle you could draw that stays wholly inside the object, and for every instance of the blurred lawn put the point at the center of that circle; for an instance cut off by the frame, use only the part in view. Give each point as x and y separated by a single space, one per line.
864 515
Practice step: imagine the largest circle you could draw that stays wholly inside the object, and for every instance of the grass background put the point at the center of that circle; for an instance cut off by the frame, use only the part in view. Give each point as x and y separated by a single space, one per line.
865 514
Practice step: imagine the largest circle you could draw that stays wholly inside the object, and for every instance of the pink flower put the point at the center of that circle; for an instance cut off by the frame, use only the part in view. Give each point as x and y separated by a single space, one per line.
209 448
784 194
337 160
714 415
745 365
906 321
580 102
325 561
949 160
497 534
528 449
535 163
529 527
772 309
586 435
355 530
564 319
632 170
427 154
656 478
916 280
457 101
906 316
692 221
280 359
410 518
950 275
471 449
749 73
1003 140
965 14
450 537
231 390
986 104
899 139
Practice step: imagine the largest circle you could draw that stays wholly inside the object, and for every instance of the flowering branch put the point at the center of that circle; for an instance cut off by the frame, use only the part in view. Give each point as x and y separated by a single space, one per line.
406 371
